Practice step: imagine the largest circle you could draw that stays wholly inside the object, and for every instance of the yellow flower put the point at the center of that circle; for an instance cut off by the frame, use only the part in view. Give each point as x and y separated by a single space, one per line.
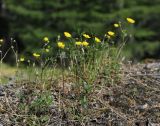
1 41
84 43
86 36
110 33
116 25
36 55
78 43
61 45
97 40
46 39
67 34
22 59
47 50
130 20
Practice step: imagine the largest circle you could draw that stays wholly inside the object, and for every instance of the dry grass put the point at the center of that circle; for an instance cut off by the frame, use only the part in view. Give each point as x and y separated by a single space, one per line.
6 72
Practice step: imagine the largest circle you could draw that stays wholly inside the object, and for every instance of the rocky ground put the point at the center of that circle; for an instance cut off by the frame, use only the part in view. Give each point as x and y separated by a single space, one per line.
135 101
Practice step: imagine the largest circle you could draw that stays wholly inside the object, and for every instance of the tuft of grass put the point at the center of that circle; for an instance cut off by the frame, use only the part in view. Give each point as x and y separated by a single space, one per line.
6 73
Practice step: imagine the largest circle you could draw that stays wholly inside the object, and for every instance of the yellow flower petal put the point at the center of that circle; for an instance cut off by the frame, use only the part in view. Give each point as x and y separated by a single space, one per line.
86 36
97 40
116 25
22 59
36 55
110 33
47 50
61 45
85 43
78 43
46 39
130 20
1 41
67 34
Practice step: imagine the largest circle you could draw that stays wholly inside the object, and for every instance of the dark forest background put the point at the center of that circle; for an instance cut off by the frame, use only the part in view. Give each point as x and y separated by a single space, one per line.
28 21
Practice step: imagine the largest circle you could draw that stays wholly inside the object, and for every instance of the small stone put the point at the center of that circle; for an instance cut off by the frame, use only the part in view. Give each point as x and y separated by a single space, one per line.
1 88
2 93
142 107
153 66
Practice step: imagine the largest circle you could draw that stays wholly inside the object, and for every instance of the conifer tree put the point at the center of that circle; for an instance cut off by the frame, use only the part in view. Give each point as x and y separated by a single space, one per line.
34 19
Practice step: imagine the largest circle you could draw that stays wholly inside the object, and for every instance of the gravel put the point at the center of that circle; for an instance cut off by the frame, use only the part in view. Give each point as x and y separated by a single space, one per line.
135 101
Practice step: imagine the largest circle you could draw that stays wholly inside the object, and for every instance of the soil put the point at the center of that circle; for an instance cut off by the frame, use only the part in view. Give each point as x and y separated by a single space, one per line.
134 101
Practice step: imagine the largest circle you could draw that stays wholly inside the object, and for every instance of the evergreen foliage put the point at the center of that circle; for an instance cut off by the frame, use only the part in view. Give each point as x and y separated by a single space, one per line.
34 19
